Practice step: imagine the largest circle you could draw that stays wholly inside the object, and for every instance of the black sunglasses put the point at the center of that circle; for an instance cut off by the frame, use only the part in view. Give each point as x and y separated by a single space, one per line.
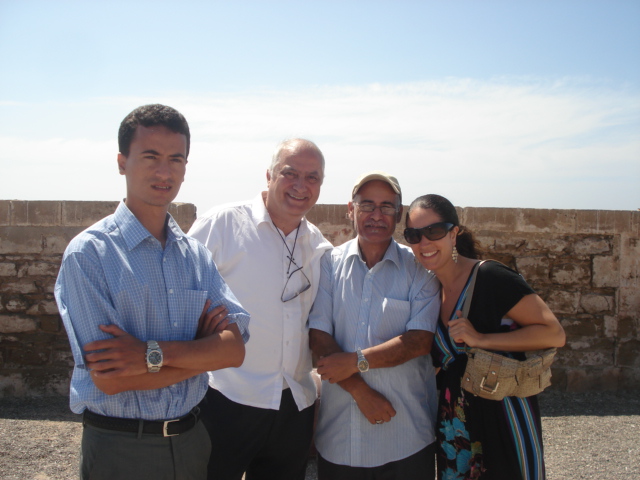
435 231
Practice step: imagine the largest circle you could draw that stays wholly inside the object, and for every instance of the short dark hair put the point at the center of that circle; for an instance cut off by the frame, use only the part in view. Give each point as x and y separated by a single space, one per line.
150 116
466 244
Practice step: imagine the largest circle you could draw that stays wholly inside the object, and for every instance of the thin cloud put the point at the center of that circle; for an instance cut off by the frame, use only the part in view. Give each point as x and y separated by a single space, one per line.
483 143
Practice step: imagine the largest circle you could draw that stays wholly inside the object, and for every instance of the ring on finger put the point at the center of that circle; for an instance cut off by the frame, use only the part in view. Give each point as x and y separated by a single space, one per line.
378 422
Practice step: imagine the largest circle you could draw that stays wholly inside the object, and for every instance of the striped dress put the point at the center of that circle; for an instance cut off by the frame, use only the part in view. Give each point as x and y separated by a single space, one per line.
479 438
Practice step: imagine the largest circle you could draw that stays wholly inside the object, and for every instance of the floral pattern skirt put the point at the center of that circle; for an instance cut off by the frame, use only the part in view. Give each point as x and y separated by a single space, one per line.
486 439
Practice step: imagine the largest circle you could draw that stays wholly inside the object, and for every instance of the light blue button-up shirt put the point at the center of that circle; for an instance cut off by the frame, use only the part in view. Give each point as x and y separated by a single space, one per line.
361 308
116 272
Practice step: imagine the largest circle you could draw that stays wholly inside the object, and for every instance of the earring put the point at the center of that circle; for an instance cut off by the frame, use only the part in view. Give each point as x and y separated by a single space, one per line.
454 254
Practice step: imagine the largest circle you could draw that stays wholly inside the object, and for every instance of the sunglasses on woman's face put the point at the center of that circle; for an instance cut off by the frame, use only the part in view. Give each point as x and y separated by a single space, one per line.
435 231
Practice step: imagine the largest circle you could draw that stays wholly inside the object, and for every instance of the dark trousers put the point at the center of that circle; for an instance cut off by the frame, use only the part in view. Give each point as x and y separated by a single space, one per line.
419 466
110 455
266 444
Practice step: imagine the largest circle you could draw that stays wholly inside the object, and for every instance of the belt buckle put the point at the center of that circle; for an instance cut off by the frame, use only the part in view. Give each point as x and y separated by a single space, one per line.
166 425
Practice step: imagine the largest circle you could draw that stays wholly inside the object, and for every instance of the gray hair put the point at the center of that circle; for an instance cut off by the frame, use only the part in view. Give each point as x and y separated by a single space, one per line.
295 145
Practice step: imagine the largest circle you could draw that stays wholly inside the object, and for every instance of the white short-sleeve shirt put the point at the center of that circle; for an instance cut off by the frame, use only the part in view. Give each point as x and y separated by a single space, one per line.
252 258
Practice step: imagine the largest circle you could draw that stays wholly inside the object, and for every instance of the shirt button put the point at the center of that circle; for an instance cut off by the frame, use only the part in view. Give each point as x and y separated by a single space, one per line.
171 290
175 324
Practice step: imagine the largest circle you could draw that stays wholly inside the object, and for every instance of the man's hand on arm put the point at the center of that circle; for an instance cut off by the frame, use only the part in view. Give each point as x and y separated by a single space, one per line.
338 366
373 405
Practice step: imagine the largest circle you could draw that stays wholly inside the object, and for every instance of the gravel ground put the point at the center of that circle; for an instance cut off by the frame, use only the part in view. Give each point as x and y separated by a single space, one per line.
592 436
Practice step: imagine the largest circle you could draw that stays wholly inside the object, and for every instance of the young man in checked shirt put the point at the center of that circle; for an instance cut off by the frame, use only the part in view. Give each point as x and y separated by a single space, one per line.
135 295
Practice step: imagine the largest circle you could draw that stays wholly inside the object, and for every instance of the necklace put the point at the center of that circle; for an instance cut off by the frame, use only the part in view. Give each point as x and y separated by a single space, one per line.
290 256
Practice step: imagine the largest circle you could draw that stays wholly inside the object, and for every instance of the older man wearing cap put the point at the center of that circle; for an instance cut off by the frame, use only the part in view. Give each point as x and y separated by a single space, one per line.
372 326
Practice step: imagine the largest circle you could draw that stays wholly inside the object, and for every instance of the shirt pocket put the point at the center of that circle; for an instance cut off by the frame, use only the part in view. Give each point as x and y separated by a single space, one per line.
185 311
393 319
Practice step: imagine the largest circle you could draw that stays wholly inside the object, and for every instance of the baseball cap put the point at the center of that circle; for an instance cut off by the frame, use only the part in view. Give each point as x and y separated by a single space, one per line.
377 175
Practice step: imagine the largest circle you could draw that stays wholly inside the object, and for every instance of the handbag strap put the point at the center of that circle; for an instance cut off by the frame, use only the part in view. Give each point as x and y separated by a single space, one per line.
466 306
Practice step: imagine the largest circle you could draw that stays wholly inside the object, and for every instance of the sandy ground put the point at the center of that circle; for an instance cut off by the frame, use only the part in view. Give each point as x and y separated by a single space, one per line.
587 436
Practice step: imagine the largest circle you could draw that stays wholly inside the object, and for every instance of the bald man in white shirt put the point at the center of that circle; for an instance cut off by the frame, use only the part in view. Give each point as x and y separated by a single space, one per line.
260 416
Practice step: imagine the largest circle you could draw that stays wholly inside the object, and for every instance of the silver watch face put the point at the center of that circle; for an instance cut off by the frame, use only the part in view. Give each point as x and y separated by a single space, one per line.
363 365
154 358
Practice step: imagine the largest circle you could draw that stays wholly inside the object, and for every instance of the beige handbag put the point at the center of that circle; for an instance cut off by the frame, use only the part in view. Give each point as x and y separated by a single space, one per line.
493 376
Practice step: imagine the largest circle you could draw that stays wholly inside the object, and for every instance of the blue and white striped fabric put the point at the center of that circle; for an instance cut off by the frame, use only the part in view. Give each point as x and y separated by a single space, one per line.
116 272
361 308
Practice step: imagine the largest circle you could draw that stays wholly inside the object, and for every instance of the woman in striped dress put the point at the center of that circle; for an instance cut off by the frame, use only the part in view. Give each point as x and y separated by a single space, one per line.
479 438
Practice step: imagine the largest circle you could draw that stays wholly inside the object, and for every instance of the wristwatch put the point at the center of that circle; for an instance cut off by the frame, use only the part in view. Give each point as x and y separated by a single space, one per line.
154 356
363 365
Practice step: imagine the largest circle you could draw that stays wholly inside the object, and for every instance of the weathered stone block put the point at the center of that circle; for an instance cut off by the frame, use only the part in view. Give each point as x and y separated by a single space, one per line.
43 268
610 326
592 379
47 285
29 355
487 242
555 245
16 240
546 221
592 303
627 355
63 358
592 246
23 286
489 218
85 214
571 274
509 243
630 380
17 305
336 235
606 271
628 327
36 213
534 269
8 270
629 261
629 304
579 327
44 307
562 301
16 324
12 385
50 323
606 221
580 352
5 213
184 214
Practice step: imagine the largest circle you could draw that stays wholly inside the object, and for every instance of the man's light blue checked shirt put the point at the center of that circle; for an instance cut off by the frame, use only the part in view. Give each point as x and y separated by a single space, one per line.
116 272
361 308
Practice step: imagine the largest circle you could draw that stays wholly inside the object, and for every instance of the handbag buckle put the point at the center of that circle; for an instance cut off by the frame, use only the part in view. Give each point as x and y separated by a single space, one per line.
488 389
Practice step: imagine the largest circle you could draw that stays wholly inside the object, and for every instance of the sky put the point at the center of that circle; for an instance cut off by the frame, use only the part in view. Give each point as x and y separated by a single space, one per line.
532 104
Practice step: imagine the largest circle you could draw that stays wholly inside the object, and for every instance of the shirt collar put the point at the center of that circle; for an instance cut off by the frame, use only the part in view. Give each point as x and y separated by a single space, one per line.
261 215
133 232
391 254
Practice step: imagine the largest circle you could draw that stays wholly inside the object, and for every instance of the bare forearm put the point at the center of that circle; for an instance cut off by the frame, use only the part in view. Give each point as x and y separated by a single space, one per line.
531 337
147 381
322 344
217 351
399 350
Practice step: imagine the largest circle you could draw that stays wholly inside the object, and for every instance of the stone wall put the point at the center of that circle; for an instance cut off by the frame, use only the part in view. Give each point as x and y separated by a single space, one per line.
585 264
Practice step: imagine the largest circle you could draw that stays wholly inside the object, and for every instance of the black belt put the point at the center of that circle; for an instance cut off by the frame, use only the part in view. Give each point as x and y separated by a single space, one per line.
167 428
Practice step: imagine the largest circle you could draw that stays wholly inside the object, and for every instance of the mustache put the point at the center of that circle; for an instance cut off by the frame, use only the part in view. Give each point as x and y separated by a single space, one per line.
376 224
